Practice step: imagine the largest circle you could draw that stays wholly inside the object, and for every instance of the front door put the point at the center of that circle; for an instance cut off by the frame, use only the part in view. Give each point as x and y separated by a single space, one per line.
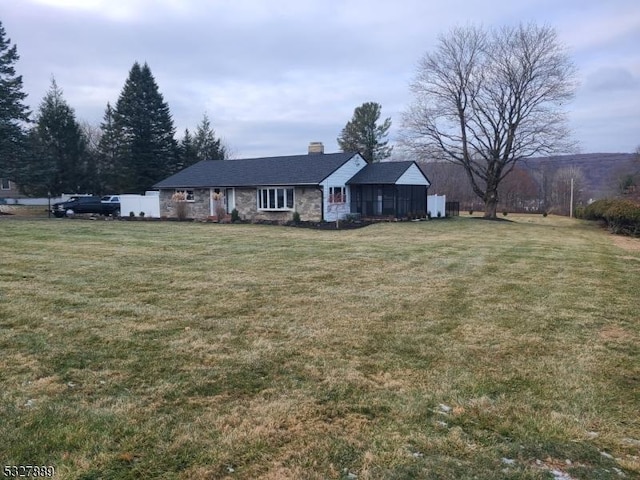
230 199
217 201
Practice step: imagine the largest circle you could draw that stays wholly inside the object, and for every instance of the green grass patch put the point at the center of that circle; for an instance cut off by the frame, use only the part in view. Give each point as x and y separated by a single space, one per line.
442 349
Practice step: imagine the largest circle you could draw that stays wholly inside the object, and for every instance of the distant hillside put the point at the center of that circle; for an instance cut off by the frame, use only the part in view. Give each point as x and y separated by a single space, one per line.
601 170
539 183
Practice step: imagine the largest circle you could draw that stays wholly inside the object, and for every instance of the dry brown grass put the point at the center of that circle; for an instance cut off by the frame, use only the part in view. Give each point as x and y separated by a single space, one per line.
23 211
414 350
627 243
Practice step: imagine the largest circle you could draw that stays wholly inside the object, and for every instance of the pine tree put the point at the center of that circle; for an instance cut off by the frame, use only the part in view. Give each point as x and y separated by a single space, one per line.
363 134
188 153
207 146
38 170
59 140
108 148
13 112
147 151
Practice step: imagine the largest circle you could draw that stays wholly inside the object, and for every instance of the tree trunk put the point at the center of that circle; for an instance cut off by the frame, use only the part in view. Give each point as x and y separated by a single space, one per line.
491 204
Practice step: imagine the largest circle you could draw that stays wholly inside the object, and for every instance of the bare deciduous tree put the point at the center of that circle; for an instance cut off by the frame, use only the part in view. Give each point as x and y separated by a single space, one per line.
91 164
519 191
451 180
485 99
568 182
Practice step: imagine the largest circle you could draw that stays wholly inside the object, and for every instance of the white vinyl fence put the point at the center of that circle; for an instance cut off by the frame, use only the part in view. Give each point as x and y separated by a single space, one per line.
149 204
436 204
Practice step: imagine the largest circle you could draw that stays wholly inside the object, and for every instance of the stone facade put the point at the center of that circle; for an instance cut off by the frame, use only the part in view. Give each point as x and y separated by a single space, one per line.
198 209
246 203
307 202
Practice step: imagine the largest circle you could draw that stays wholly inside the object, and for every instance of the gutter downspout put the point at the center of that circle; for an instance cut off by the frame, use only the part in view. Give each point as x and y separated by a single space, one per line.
321 189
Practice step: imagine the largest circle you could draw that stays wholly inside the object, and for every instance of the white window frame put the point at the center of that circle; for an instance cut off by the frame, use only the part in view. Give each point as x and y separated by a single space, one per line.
337 195
269 202
188 192
5 184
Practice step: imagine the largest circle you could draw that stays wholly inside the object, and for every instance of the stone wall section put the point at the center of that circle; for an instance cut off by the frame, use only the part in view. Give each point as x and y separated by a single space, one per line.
307 202
167 206
201 206
246 203
198 209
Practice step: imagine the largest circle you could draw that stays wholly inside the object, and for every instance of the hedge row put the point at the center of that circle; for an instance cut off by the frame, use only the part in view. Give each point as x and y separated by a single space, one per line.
620 216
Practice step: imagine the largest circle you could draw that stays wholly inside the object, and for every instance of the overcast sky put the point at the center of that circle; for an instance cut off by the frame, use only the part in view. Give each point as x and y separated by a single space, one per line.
273 75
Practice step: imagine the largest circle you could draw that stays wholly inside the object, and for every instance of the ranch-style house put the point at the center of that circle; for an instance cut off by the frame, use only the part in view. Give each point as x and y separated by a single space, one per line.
319 186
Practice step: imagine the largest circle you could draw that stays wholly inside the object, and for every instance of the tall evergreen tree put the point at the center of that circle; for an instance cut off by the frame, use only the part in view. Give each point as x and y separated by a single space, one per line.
188 152
108 153
146 147
363 134
13 112
37 173
207 146
59 140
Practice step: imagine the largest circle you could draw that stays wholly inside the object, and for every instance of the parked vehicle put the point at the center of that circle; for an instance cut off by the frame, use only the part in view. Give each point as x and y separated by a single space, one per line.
110 199
108 205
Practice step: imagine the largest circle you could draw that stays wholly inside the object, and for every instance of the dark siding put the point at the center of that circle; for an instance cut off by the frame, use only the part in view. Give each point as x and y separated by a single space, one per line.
388 200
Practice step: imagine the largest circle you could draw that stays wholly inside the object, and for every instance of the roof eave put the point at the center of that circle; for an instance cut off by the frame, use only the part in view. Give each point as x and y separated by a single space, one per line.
254 185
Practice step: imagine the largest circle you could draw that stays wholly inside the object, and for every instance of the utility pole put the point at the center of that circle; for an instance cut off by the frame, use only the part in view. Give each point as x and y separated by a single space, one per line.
571 201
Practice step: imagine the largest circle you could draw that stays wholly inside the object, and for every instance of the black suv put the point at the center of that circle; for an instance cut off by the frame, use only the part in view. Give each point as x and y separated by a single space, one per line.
86 205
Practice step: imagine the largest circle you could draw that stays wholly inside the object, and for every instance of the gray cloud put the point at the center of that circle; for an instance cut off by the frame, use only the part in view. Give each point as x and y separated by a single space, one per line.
608 79
275 75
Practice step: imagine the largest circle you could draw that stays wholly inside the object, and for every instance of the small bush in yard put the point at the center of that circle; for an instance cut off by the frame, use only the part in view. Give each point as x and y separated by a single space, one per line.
132 214
180 201
235 216
221 212
470 212
505 213
623 217
597 209
141 214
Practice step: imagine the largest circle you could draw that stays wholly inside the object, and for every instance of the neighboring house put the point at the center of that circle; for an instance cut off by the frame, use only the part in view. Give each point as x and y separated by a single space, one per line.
318 186
8 190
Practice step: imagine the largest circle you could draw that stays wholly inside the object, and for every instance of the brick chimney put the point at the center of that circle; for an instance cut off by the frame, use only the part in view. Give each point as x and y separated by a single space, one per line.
316 148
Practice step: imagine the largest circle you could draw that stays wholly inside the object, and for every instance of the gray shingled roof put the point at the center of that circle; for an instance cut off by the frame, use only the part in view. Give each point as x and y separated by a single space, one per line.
309 169
380 173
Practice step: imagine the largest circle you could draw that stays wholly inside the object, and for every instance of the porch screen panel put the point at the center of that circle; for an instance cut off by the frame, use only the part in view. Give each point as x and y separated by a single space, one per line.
366 200
411 199
389 200
404 200
356 199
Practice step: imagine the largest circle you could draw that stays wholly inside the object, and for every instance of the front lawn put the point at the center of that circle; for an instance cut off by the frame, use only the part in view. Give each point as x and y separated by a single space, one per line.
445 349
